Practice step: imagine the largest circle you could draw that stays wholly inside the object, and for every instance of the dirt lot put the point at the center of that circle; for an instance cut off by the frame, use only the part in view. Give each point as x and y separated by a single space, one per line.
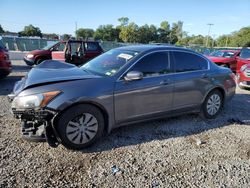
184 151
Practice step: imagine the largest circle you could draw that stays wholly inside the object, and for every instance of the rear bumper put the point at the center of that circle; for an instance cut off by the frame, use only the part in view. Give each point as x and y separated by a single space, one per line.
29 62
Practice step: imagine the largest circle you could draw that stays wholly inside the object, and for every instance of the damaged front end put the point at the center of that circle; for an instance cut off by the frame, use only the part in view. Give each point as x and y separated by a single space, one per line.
36 119
37 125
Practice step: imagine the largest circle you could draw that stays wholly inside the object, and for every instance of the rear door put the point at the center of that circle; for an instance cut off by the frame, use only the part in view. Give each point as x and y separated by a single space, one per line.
191 79
149 96
92 49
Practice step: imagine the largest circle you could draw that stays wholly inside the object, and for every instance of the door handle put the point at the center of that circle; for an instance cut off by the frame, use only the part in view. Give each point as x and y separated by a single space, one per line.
205 75
165 82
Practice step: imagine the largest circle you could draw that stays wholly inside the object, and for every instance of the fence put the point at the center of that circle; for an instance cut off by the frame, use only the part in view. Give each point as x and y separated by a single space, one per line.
29 44
24 43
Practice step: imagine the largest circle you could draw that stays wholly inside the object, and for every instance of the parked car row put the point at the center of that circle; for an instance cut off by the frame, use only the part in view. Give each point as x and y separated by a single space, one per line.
237 60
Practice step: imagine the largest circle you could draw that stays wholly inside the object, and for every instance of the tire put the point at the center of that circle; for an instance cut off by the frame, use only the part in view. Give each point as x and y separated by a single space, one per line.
212 105
38 61
80 126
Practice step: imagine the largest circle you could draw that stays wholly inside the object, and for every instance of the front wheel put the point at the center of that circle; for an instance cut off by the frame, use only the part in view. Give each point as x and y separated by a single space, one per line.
212 105
80 126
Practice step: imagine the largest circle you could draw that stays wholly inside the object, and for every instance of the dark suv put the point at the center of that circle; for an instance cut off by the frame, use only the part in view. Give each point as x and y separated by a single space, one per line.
72 51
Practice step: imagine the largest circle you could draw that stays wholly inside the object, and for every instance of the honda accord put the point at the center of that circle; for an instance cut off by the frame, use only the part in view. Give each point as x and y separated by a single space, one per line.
74 106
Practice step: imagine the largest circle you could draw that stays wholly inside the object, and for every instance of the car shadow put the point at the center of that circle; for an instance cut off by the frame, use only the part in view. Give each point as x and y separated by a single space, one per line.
168 128
7 84
20 68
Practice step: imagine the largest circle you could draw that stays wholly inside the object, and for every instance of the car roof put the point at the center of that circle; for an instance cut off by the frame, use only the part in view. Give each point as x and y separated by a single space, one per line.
152 47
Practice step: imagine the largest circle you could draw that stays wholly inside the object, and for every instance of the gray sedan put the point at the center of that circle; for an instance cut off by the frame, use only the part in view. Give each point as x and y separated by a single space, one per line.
75 106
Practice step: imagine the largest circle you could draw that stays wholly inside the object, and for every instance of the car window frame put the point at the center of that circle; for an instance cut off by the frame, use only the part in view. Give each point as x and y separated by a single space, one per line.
190 52
172 63
121 77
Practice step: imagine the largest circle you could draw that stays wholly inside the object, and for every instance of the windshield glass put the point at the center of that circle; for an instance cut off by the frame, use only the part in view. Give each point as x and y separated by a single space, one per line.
110 62
222 54
50 44
245 53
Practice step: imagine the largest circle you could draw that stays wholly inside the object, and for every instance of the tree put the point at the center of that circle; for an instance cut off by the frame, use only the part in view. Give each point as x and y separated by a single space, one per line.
66 37
1 30
106 33
176 32
123 21
241 37
84 33
164 32
31 30
129 33
224 40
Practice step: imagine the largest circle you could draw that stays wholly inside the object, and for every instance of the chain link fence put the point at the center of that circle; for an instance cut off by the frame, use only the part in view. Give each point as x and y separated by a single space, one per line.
30 43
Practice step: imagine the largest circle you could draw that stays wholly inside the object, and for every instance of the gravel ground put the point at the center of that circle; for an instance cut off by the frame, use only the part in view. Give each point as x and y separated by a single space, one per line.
183 151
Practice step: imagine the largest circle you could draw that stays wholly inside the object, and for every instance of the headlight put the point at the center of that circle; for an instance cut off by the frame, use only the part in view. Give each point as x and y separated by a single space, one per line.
34 101
30 56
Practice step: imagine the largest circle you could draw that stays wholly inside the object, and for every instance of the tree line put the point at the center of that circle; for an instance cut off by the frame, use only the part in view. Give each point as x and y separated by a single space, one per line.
130 32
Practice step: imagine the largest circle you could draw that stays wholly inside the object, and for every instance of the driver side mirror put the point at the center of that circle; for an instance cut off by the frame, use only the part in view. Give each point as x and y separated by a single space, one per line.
133 75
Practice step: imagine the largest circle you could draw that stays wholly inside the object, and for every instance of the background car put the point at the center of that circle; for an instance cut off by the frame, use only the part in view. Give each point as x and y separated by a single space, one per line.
35 57
225 58
5 64
78 52
76 105
243 69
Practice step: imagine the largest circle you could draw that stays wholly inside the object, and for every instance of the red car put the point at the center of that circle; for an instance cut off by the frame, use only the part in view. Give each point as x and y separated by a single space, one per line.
243 69
225 58
78 52
35 57
5 64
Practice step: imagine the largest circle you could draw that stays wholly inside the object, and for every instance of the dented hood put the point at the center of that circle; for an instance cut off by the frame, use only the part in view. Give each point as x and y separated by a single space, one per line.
51 71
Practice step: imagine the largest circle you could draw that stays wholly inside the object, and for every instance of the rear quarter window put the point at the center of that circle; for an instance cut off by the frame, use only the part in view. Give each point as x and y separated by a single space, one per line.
185 62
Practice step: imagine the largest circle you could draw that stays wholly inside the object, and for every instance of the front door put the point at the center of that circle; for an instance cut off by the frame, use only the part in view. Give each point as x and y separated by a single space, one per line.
149 96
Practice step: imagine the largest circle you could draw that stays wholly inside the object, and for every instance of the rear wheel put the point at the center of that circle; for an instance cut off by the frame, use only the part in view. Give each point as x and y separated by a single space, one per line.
212 105
80 126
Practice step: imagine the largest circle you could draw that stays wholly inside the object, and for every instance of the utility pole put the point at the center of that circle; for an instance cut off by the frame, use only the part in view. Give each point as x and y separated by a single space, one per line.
209 29
226 40
75 29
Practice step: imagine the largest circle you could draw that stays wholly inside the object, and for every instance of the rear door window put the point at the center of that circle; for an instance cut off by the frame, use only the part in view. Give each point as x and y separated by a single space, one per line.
91 46
185 62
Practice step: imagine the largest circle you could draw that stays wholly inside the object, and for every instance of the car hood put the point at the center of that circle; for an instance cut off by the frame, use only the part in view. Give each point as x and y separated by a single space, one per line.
41 52
218 59
51 71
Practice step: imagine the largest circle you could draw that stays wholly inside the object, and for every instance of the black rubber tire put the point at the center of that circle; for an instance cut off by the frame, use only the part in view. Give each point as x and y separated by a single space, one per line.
73 112
204 113
38 61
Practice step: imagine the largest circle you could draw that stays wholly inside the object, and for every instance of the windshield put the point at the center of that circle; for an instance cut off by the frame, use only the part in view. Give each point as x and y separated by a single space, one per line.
222 54
50 44
245 53
110 62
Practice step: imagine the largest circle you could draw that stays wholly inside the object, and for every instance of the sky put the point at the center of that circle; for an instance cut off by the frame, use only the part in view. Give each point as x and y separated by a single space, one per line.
60 16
